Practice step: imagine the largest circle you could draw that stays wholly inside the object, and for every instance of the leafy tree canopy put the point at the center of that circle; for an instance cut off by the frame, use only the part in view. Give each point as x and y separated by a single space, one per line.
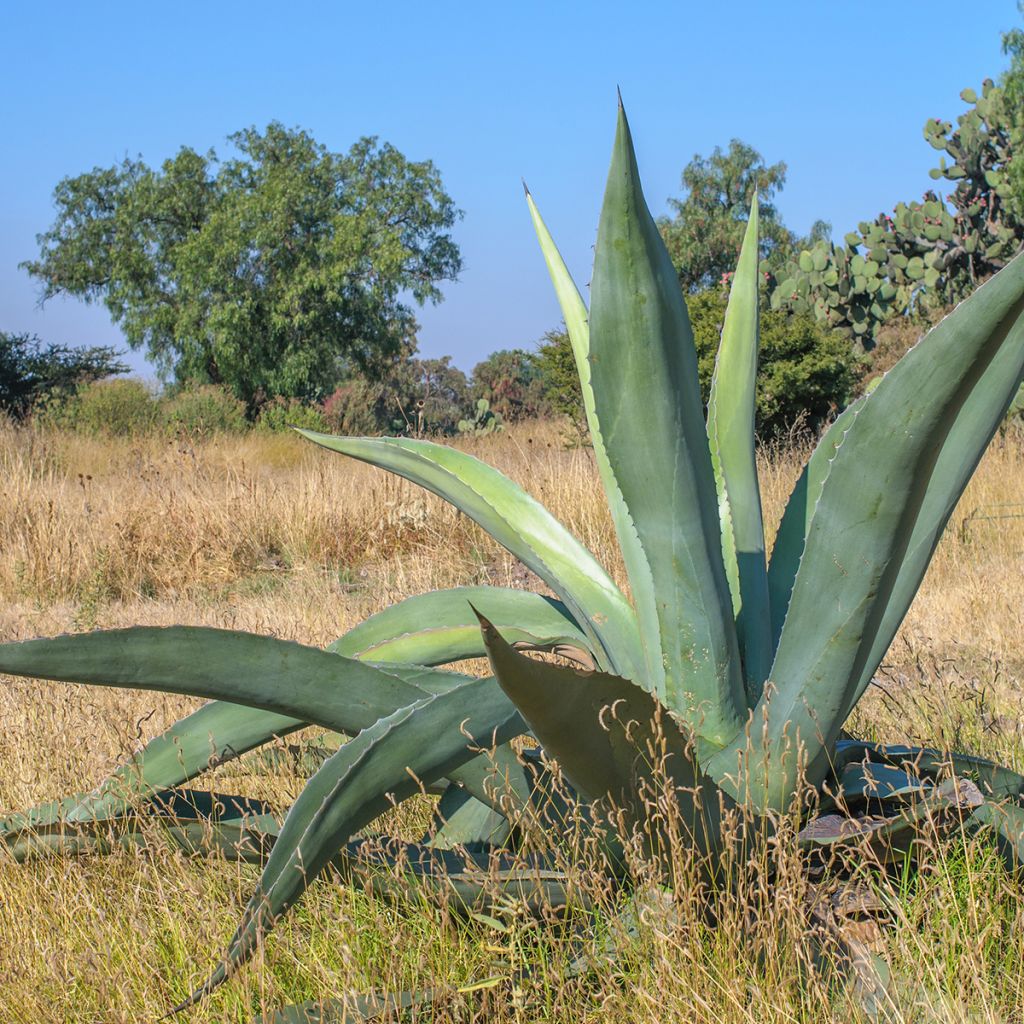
407 395
705 233
31 370
263 272
510 380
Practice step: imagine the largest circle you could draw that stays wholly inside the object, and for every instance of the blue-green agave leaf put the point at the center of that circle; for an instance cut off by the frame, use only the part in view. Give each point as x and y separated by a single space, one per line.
440 627
871 781
429 629
644 375
731 436
519 523
574 312
279 676
796 519
387 762
891 484
613 740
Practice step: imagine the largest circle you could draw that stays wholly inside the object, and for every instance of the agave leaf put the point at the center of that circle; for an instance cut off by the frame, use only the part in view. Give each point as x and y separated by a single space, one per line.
644 373
462 820
385 763
424 629
439 627
921 432
613 740
731 436
1004 820
796 519
943 807
216 732
242 668
994 780
574 312
868 781
519 523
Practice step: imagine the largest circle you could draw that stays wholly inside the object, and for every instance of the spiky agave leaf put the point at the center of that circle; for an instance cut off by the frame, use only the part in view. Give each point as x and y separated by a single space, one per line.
614 742
921 432
385 763
520 524
644 374
429 629
731 436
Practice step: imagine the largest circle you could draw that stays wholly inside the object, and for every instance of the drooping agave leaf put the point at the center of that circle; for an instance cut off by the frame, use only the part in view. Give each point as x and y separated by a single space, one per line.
237 827
427 629
943 807
520 524
613 740
262 672
440 627
867 781
214 733
921 432
386 762
994 780
731 436
796 519
322 688
1004 820
644 375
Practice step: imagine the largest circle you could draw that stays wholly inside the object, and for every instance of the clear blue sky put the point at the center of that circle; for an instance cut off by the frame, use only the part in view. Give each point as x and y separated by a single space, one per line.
491 93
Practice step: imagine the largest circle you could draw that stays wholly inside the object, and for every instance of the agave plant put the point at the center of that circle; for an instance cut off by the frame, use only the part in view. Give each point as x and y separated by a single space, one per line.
729 673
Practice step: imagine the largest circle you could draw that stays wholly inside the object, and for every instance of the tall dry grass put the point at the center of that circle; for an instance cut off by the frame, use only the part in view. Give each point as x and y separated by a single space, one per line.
270 534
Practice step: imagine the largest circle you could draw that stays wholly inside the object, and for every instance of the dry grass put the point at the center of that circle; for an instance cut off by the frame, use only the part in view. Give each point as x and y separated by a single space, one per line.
272 535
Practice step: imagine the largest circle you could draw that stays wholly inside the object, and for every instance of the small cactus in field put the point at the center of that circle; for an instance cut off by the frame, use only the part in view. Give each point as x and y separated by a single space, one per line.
484 420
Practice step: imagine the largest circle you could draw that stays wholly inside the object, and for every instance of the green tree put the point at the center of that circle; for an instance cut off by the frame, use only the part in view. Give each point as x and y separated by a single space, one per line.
559 379
264 272
704 235
31 371
407 395
511 381
1012 82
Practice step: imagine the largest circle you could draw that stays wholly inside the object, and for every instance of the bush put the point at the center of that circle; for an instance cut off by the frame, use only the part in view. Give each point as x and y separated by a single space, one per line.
559 380
409 396
283 413
122 408
203 409
806 373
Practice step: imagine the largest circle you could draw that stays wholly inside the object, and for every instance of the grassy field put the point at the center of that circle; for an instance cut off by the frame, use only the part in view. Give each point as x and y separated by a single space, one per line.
272 535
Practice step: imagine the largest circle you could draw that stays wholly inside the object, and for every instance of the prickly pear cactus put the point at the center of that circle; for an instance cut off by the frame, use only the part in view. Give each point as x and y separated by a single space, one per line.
484 420
925 254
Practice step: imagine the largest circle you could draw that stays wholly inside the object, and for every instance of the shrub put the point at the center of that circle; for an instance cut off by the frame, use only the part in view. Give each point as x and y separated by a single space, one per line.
201 409
806 373
409 396
284 413
122 408
559 380
510 380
